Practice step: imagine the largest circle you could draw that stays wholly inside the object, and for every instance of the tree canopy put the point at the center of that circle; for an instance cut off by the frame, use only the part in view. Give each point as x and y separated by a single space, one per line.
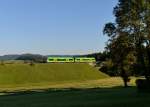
130 35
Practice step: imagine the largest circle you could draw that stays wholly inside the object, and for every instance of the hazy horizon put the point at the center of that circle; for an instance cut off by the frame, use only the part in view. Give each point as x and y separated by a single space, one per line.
51 27
80 53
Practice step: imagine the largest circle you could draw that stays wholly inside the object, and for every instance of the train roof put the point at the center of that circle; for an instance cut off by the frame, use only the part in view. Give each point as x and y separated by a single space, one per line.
72 57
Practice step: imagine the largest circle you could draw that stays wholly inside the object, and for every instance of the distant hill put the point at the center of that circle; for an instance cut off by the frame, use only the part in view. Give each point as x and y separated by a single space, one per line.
86 55
41 58
59 55
9 57
32 57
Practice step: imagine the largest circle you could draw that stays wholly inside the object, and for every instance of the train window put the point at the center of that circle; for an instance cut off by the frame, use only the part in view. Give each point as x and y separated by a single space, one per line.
50 59
61 59
70 59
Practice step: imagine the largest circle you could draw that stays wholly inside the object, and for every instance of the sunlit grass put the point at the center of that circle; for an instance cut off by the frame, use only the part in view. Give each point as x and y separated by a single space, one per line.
46 75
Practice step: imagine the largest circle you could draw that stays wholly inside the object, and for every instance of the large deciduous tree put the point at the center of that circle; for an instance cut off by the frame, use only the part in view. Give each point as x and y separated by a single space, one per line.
130 33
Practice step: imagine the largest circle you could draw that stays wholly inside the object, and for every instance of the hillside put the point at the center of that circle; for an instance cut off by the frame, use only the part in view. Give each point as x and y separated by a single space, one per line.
9 57
16 75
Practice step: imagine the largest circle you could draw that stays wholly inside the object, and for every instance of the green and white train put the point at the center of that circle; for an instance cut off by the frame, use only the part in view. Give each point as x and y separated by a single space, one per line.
71 59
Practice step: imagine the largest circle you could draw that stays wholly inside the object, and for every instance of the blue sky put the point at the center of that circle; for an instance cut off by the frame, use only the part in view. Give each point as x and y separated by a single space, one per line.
53 26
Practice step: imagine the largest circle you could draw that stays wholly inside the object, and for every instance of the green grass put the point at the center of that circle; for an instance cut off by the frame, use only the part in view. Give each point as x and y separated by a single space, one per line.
65 85
24 75
105 97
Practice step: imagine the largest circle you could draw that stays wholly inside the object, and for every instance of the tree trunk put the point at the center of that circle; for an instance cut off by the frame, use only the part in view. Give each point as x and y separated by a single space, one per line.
140 59
125 83
124 76
148 68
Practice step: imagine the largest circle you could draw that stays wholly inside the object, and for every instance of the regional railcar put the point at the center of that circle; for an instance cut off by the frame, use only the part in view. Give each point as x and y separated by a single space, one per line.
85 59
71 59
60 59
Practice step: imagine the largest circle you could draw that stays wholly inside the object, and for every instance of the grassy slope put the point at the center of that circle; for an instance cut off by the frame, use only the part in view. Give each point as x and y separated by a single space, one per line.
24 75
109 95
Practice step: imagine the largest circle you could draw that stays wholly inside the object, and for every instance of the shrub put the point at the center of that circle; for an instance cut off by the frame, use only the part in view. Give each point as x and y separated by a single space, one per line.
143 84
32 63
2 62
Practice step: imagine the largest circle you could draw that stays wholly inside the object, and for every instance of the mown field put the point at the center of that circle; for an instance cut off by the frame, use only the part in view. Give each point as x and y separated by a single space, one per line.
80 95
45 75
65 85
105 97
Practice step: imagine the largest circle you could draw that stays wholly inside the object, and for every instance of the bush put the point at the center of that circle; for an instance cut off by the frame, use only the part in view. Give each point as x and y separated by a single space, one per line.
2 62
143 84
31 63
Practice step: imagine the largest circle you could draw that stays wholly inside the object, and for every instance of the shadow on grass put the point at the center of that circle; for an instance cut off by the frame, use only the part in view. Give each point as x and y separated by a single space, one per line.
56 90
76 97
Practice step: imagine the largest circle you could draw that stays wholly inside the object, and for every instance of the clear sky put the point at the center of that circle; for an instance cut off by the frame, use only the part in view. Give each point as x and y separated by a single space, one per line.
53 26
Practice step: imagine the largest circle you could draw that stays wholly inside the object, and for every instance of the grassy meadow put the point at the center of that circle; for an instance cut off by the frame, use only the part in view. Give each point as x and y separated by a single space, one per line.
96 97
45 75
65 85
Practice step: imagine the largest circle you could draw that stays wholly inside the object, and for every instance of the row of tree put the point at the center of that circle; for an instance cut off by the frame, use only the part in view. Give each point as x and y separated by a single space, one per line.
32 58
129 38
